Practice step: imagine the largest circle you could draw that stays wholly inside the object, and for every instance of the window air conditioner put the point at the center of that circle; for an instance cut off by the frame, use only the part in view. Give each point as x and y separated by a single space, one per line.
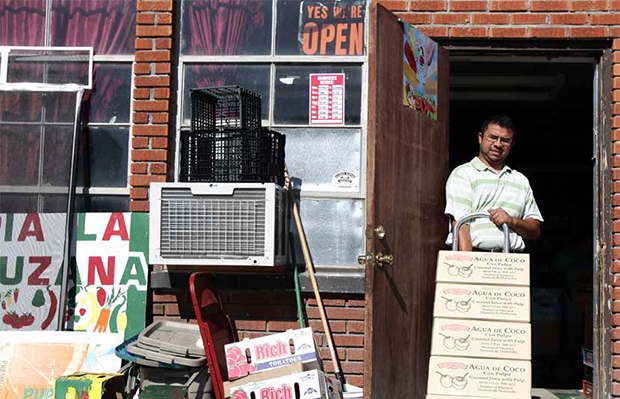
213 224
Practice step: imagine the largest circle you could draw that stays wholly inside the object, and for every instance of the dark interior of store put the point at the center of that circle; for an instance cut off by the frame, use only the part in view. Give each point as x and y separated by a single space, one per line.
551 102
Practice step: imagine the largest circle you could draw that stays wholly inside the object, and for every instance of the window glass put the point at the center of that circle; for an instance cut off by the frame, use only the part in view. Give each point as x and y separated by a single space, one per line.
254 77
18 203
310 157
224 27
102 203
21 69
22 23
292 92
20 106
109 99
109 26
106 148
19 154
58 144
320 27
55 203
60 107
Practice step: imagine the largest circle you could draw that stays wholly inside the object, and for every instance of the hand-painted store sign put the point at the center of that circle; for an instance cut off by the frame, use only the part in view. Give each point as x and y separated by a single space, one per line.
332 27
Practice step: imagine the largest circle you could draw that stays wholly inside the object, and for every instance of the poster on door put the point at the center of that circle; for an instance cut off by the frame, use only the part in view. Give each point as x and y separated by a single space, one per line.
327 98
420 73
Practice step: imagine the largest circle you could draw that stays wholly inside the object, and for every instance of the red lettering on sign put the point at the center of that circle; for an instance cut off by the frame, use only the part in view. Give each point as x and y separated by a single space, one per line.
32 219
44 262
95 262
111 231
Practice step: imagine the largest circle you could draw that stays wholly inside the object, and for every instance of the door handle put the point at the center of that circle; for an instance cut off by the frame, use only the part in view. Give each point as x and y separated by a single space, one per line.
379 259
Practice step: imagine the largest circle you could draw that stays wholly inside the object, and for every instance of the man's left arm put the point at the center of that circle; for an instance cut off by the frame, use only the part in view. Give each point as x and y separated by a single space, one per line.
528 228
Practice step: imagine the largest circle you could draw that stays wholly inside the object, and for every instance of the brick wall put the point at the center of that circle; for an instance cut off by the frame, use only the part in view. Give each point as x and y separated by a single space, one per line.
552 19
151 132
259 313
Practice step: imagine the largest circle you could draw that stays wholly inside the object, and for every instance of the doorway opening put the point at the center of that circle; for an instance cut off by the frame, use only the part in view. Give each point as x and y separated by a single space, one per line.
552 103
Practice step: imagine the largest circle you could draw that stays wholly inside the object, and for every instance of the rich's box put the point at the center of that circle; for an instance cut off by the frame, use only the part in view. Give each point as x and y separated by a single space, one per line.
230 386
312 384
486 302
483 268
455 397
491 378
477 338
270 352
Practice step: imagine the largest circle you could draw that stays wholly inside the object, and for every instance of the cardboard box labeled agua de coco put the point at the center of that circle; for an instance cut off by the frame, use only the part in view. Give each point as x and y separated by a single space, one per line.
483 268
478 338
485 302
312 384
270 352
469 376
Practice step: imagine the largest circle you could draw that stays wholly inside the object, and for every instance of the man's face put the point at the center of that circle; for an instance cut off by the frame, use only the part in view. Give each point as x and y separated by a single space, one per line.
495 144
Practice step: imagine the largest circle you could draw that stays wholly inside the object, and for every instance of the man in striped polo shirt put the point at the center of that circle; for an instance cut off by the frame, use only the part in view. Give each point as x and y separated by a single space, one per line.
487 184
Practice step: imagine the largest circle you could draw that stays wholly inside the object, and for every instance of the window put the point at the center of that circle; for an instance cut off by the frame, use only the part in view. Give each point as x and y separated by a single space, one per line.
272 48
46 129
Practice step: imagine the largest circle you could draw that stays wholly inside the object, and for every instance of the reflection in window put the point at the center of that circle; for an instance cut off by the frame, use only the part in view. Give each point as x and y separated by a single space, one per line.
225 27
249 76
19 154
18 203
107 25
22 23
109 99
58 143
101 203
292 93
106 149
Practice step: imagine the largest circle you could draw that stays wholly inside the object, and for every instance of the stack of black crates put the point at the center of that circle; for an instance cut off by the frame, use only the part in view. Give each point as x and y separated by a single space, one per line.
227 142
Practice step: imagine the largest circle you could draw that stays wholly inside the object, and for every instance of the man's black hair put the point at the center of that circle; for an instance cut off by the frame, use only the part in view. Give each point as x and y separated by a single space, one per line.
500 120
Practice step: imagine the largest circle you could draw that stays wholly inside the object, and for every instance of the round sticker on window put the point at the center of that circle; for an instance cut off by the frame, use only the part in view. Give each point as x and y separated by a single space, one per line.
344 180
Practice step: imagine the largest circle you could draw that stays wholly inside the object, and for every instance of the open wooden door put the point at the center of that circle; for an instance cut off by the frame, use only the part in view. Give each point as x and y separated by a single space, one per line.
407 170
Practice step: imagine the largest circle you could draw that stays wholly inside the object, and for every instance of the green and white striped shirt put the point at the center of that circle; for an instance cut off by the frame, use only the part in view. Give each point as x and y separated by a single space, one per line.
475 187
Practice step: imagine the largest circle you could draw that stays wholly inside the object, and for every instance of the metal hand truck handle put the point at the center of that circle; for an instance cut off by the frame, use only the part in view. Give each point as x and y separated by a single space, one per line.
475 215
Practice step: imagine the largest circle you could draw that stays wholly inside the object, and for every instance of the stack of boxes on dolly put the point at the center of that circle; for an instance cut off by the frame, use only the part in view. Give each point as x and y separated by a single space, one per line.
481 344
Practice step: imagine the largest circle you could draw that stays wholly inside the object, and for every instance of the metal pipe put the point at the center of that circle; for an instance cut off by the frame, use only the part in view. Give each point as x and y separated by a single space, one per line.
475 215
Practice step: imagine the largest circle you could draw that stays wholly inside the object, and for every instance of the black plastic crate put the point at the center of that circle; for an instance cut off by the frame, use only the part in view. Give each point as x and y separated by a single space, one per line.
225 107
238 155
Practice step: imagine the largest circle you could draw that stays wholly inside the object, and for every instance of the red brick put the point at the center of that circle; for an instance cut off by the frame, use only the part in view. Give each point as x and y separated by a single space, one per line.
153 30
568 19
449 19
139 206
615 134
614 5
278 326
617 375
252 335
158 309
160 117
615 334
161 93
508 5
616 59
139 193
145 5
588 5
152 56
508 32
152 81
326 354
139 142
144 18
355 327
158 168
149 155
548 32
141 181
615 294
588 32
434 31
347 367
615 320
140 117
164 18
355 380
162 68
356 303
529 19
616 72
139 168
334 326
549 5
615 161
163 43
141 93
428 5
615 388
338 313
172 309
143 44
605 19
490 19
468 32
394 5
159 142
151 105
142 69
355 354
468 5
150 130
416 18
164 297
616 95
327 302
615 307
615 226
252 325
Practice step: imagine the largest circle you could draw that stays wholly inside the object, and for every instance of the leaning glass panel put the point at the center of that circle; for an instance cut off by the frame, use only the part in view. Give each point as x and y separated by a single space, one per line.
292 92
51 65
20 106
108 156
224 27
253 77
60 107
334 229
310 158
57 148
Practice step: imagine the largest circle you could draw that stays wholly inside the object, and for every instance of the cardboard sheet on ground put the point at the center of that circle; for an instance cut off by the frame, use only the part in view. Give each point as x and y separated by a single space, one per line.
30 361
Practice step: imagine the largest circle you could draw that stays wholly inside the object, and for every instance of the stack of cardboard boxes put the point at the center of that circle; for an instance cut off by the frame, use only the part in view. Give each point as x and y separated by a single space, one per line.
481 344
279 366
